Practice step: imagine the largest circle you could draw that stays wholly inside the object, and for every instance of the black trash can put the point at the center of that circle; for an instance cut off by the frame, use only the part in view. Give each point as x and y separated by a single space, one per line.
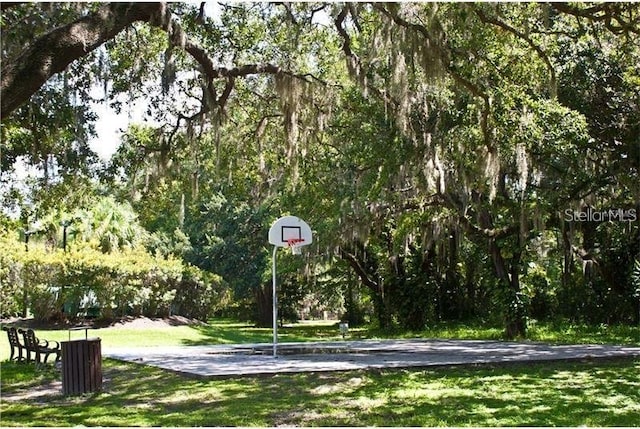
81 366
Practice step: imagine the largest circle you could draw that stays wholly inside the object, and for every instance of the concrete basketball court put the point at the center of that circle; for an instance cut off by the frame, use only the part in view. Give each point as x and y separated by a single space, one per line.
257 359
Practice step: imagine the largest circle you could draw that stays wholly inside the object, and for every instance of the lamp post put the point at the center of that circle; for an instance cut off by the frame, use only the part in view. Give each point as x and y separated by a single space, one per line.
25 297
27 234
64 224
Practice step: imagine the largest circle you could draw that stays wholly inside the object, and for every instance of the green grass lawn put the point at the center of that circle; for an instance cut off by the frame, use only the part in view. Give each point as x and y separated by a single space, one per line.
215 332
233 332
598 393
558 333
605 393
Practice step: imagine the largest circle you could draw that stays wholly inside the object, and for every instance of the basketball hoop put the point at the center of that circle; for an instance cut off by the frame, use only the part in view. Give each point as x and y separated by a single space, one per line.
294 245
291 232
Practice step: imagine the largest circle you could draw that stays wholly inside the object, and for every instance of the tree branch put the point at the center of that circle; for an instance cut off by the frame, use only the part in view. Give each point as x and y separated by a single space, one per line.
360 270
607 13
5 5
354 65
553 85
488 232
53 52
444 57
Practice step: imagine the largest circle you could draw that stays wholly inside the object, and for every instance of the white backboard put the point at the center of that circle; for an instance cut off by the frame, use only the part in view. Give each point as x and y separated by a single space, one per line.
288 228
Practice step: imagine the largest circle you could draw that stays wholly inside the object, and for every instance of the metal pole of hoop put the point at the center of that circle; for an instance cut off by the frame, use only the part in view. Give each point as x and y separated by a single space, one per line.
275 305
295 249
292 232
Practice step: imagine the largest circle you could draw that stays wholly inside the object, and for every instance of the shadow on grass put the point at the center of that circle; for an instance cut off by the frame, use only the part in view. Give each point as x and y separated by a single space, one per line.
562 394
22 376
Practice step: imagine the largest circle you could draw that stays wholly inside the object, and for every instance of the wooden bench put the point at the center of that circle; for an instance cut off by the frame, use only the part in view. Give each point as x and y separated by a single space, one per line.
14 342
41 348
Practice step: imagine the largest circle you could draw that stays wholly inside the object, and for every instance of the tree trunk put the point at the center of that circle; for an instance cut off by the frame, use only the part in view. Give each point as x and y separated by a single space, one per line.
263 317
381 308
451 275
516 323
568 262
509 278
508 274
376 288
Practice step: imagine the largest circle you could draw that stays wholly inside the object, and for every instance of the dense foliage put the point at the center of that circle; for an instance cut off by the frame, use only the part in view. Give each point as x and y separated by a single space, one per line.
456 160
85 282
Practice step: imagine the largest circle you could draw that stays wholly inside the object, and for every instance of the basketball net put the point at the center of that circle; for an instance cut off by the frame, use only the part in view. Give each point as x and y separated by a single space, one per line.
294 245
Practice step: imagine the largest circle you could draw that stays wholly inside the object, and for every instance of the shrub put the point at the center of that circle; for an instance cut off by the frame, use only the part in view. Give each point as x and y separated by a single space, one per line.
200 294
123 283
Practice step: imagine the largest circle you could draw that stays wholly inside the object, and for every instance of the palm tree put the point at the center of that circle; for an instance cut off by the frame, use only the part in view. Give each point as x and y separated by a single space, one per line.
111 225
